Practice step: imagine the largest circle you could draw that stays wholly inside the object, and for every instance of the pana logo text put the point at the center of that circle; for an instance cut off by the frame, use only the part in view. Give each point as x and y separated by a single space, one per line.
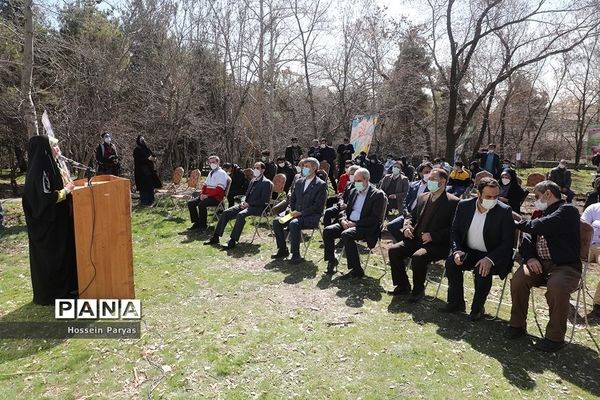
97 309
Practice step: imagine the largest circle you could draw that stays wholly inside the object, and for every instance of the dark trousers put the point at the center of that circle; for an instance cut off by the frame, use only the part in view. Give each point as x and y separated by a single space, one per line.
456 291
570 194
560 281
295 227
349 236
394 227
147 197
421 255
240 220
332 176
198 207
331 216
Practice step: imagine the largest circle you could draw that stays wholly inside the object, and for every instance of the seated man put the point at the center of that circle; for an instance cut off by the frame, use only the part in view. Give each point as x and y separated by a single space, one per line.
550 249
239 184
482 236
415 189
257 198
306 204
332 213
212 193
287 169
395 187
426 236
562 177
460 179
591 215
361 221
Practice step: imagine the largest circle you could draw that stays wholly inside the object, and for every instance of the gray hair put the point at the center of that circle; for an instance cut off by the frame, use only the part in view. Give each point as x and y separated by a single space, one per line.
352 169
312 161
544 186
364 173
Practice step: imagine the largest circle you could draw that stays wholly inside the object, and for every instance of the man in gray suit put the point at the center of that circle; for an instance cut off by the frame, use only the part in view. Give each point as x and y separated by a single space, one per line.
307 204
257 198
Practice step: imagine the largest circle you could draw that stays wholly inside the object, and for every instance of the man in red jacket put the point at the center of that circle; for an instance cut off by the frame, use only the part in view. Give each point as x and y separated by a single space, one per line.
212 193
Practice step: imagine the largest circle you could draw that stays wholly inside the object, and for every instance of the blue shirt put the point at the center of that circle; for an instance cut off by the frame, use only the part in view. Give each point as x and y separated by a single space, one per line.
358 205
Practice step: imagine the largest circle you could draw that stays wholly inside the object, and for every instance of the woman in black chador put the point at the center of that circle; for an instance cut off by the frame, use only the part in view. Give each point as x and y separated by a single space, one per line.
146 178
47 207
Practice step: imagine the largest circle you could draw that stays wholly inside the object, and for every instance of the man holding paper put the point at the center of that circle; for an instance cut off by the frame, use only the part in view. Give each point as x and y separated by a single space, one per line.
307 203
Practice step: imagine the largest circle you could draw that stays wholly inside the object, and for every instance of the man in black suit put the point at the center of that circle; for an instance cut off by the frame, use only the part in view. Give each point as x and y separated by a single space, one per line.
361 221
293 152
490 161
257 198
307 204
482 236
344 151
426 236
328 154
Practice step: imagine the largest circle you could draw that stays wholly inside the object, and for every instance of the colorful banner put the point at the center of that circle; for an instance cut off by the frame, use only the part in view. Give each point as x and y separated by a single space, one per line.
363 129
594 139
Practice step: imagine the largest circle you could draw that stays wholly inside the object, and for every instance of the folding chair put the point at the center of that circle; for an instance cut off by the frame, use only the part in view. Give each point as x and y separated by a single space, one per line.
586 233
164 195
312 233
263 217
188 193
219 208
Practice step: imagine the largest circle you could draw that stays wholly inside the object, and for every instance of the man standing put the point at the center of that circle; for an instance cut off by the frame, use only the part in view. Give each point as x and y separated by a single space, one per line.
257 198
107 157
562 177
328 154
482 237
361 221
395 187
307 204
490 161
211 195
426 236
591 215
344 151
293 152
551 250
315 150
271 168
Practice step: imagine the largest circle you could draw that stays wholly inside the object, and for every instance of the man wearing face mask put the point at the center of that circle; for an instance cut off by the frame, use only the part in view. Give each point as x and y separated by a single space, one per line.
107 157
562 177
344 151
239 183
551 251
490 161
389 163
360 221
265 157
212 193
415 189
328 154
426 236
257 198
315 150
395 187
332 213
306 204
293 153
285 168
482 236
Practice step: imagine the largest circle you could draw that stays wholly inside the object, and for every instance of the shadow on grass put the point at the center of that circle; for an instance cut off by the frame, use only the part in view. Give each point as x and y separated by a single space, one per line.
295 273
12 230
243 249
354 290
14 349
576 364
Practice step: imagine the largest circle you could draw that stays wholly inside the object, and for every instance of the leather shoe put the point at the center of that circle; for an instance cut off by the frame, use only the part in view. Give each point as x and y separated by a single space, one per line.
295 260
451 308
213 240
416 297
281 253
194 227
476 315
230 245
331 267
357 273
513 332
549 346
400 290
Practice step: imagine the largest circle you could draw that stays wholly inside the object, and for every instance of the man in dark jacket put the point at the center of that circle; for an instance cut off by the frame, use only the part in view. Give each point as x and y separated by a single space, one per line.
239 184
293 152
490 161
271 168
344 151
551 251
107 156
257 198
285 168
328 154
562 177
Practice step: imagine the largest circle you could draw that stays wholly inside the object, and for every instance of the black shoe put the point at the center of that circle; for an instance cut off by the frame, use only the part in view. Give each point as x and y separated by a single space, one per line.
513 332
357 273
213 240
194 227
416 297
549 346
331 267
596 310
476 315
230 245
451 308
347 276
295 260
400 290
281 253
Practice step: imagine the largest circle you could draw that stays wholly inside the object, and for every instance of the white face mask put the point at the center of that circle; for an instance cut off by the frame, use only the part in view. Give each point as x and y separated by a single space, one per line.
281 165
488 204
426 177
107 140
351 178
264 158
213 165
562 166
505 181
323 146
256 172
540 205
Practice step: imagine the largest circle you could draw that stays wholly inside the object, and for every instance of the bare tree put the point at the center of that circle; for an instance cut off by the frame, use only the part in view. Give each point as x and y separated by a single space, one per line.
27 106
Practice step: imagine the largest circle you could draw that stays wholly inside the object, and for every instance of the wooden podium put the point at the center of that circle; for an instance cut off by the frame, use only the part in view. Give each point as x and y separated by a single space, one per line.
102 219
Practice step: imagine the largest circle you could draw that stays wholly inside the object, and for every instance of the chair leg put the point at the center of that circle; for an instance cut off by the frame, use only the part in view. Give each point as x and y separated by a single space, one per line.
437 291
501 298
535 316
307 243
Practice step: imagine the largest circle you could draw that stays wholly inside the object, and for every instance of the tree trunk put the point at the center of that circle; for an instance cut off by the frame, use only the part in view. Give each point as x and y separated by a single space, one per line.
27 106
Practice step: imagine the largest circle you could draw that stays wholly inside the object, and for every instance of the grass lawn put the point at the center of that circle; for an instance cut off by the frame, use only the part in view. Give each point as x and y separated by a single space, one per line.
239 326
581 179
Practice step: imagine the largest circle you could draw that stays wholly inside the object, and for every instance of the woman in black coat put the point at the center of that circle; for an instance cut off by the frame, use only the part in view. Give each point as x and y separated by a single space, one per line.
146 178
510 191
47 207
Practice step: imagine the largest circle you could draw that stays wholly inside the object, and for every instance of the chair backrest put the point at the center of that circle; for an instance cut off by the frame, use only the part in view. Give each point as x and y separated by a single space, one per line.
587 233
177 175
535 178
194 178
279 183
228 186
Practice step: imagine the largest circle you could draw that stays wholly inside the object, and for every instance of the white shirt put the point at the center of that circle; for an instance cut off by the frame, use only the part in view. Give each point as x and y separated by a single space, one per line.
420 191
591 215
358 205
475 235
217 177
307 182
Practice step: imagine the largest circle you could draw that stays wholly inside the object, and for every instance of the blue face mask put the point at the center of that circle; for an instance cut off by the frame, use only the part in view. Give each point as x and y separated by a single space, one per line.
360 186
433 186
305 171
395 170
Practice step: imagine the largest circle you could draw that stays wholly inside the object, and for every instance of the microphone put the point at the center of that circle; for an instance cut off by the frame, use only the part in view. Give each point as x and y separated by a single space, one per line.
75 164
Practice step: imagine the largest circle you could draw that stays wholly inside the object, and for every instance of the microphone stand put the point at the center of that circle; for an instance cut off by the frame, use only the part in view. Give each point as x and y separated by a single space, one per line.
77 165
